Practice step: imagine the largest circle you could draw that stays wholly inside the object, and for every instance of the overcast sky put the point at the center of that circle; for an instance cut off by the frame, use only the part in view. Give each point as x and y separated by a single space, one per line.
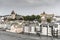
29 7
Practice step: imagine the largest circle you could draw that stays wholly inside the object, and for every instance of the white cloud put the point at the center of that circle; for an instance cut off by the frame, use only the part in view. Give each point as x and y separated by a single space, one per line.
26 3
29 6
34 1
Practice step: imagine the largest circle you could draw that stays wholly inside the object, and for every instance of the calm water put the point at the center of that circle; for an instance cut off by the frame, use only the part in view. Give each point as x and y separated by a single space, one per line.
14 36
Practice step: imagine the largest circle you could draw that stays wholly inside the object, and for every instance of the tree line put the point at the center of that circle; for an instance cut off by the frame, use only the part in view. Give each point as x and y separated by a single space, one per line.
32 17
35 17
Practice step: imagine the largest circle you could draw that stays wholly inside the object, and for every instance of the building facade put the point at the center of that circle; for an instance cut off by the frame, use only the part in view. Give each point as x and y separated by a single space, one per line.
44 17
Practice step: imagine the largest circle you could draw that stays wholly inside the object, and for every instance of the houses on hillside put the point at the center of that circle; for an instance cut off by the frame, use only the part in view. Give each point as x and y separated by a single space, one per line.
13 16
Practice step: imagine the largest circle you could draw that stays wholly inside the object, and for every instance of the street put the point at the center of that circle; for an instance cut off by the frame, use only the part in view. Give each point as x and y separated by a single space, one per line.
14 36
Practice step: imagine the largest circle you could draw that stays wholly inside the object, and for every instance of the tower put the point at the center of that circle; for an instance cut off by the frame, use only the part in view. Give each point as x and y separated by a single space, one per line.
43 17
13 15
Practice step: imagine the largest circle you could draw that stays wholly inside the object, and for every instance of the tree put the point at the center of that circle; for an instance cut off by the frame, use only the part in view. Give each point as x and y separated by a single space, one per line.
32 17
49 20
38 18
27 17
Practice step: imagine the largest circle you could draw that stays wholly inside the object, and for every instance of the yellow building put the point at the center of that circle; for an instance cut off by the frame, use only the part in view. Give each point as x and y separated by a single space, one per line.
44 17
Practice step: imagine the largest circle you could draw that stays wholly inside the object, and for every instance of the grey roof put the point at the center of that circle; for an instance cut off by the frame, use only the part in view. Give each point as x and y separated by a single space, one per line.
30 24
55 25
50 24
57 21
57 16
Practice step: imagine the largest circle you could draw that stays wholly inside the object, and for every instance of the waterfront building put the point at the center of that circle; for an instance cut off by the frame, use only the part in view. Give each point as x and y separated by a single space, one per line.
50 29
31 27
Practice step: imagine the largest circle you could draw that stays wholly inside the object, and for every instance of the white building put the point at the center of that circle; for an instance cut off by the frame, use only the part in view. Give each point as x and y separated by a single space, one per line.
31 28
48 29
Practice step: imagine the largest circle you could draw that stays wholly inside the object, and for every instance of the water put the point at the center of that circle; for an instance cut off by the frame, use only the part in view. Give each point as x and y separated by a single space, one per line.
14 36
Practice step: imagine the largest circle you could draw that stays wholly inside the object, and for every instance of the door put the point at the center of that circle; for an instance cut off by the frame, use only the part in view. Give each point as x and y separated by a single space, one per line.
49 31
44 30
26 29
32 30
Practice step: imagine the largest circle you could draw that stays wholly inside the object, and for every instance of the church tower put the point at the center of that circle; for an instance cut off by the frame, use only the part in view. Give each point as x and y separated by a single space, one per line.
13 15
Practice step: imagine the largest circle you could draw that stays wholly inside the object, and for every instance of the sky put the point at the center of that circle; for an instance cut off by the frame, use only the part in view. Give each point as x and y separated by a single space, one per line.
29 7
